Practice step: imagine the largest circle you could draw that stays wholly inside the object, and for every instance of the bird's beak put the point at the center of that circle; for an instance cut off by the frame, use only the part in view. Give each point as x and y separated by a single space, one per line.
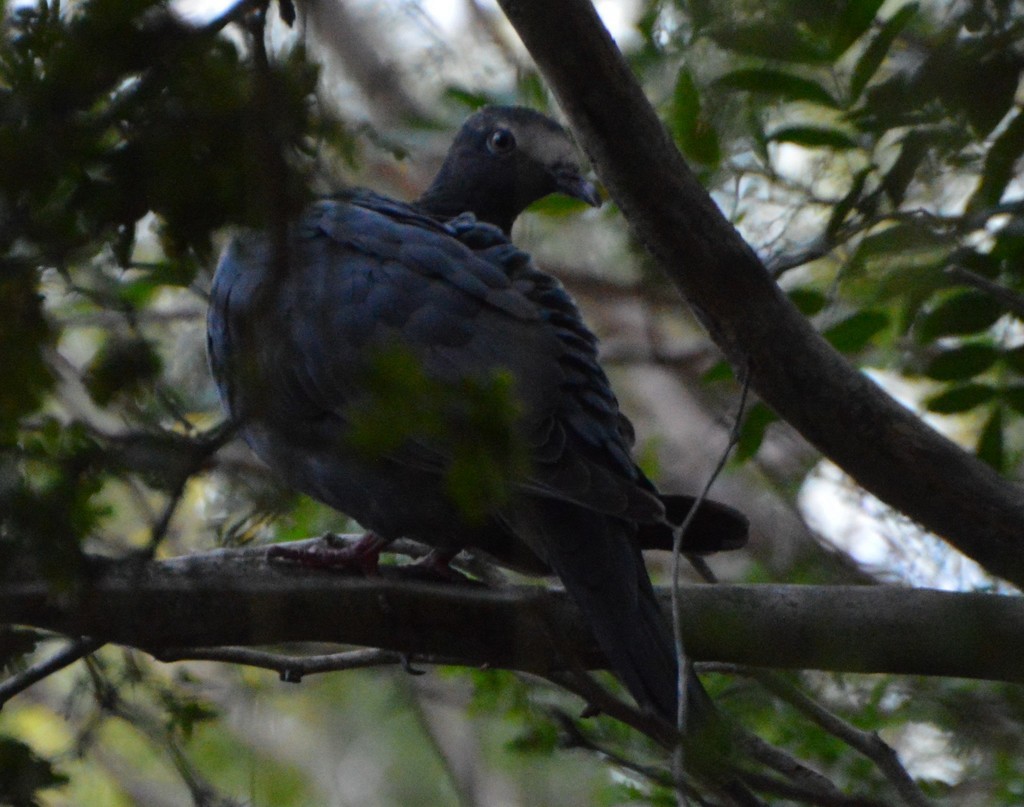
570 182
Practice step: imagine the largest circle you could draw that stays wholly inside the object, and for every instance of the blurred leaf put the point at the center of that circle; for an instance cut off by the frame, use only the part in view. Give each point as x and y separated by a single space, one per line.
23 774
468 98
876 52
1014 397
978 65
777 83
780 41
808 301
963 313
558 205
753 431
960 399
847 203
695 136
121 366
722 371
962 362
854 21
814 137
905 243
24 334
539 738
531 90
899 175
185 713
990 446
1014 358
854 332
17 642
999 166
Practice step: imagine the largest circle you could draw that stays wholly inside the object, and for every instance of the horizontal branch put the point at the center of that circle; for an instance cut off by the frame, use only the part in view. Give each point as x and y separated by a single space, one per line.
838 409
237 598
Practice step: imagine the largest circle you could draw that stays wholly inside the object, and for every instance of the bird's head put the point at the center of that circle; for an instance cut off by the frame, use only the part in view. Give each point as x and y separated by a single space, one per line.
503 159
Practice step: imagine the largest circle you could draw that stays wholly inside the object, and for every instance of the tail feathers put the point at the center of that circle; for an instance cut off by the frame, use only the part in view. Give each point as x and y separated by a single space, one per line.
603 571
715 527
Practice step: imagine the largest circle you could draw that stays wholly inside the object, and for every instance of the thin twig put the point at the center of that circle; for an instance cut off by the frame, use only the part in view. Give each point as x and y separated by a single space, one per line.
291 668
581 683
37 672
1010 300
678 760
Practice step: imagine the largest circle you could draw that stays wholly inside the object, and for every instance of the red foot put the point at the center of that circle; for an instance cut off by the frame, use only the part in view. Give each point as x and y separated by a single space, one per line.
362 556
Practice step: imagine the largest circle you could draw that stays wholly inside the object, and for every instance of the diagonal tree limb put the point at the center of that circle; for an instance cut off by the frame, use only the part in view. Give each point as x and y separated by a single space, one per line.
888 450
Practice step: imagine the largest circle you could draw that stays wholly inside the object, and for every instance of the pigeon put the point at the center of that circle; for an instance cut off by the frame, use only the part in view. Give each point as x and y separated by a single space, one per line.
409 366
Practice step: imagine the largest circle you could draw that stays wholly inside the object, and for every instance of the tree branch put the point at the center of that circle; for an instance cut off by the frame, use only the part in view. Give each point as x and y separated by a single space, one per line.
236 598
888 450
867 743
37 672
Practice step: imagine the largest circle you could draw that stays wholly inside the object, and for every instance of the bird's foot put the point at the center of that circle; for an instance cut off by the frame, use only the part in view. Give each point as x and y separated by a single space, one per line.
363 556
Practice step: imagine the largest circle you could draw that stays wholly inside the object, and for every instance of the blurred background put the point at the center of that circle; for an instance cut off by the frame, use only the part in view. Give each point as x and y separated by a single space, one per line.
867 151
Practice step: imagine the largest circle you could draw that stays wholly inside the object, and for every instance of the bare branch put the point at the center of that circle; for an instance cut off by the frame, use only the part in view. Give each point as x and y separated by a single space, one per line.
37 672
291 668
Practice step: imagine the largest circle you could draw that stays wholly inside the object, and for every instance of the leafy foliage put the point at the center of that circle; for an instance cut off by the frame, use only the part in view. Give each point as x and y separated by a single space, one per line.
899 97
890 136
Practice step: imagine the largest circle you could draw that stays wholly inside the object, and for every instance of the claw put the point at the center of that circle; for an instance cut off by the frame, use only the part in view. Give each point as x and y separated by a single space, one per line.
362 556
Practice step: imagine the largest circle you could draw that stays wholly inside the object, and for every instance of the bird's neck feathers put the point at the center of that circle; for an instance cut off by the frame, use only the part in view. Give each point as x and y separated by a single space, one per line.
456 191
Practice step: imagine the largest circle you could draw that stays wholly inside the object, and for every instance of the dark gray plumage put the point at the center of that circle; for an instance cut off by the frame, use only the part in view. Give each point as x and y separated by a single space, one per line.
294 350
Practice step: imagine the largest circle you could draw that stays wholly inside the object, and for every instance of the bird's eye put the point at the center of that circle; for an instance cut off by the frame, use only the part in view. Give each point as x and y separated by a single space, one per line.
501 141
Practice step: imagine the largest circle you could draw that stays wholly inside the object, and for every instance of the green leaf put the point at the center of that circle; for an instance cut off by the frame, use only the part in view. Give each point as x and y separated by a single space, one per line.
531 90
24 774
960 398
1014 359
962 362
752 433
814 137
1014 397
854 332
848 202
908 243
558 206
722 371
808 301
964 312
24 333
693 133
468 98
898 177
875 53
778 83
856 18
1000 163
990 443
780 41
996 70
